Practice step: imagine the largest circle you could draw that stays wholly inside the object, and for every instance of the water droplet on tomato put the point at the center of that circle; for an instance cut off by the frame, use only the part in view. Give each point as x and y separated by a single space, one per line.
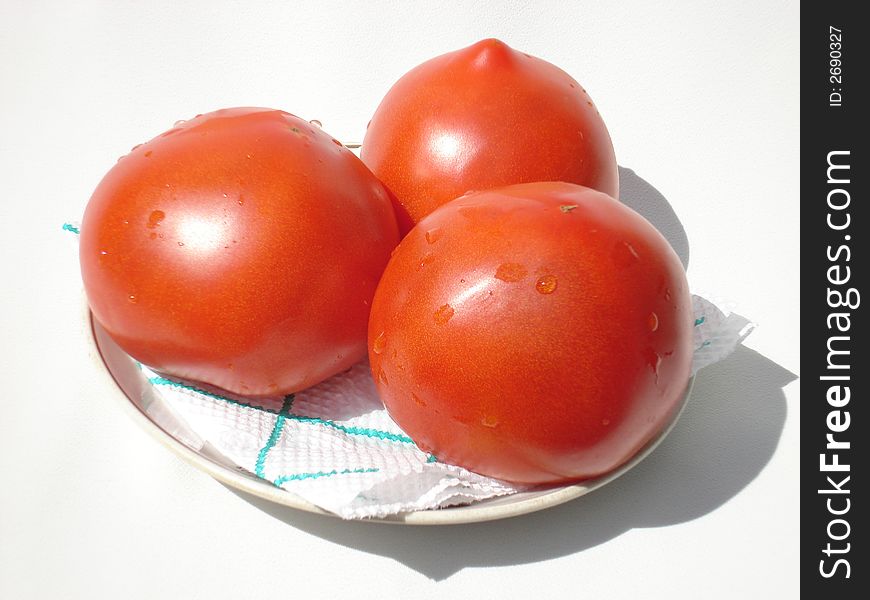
132 298
425 261
667 295
155 218
605 422
316 123
181 243
179 122
546 284
654 360
511 272
417 399
382 377
103 253
148 153
379 343
624 254
433 235
489 421
652 321
444 314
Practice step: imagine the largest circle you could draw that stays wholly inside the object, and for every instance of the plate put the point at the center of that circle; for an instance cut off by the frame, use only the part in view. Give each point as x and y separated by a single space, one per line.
125 382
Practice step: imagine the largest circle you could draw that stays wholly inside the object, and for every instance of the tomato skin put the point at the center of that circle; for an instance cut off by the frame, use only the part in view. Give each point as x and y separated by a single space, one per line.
240 250
482 117
538 333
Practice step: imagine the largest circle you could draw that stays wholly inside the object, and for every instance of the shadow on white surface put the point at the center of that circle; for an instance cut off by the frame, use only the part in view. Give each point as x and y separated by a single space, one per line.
726 435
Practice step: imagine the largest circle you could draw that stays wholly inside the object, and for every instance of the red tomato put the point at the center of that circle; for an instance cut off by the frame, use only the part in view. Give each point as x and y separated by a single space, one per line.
482 117
241 250
538 333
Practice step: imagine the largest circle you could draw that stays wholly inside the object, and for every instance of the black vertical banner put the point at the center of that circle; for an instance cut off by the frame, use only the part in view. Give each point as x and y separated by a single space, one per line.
836 343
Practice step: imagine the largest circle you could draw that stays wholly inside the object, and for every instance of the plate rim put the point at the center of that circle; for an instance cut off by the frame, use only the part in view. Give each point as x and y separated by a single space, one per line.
474 512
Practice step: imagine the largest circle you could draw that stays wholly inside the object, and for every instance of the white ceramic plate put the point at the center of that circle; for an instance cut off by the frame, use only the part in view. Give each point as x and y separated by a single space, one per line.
124 381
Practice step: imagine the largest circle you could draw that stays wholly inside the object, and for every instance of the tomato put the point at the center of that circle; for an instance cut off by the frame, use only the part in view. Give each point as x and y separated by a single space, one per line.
538 333
482 117
239 250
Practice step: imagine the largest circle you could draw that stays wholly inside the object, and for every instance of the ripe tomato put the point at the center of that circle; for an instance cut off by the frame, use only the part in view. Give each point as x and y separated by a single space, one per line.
482 117
241 250
538 333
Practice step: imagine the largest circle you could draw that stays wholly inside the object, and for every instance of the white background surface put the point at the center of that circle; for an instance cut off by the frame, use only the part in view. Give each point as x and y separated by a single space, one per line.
701 100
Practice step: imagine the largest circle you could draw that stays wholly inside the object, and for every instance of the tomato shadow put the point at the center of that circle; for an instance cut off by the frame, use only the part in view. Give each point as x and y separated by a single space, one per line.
726 435
636 193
